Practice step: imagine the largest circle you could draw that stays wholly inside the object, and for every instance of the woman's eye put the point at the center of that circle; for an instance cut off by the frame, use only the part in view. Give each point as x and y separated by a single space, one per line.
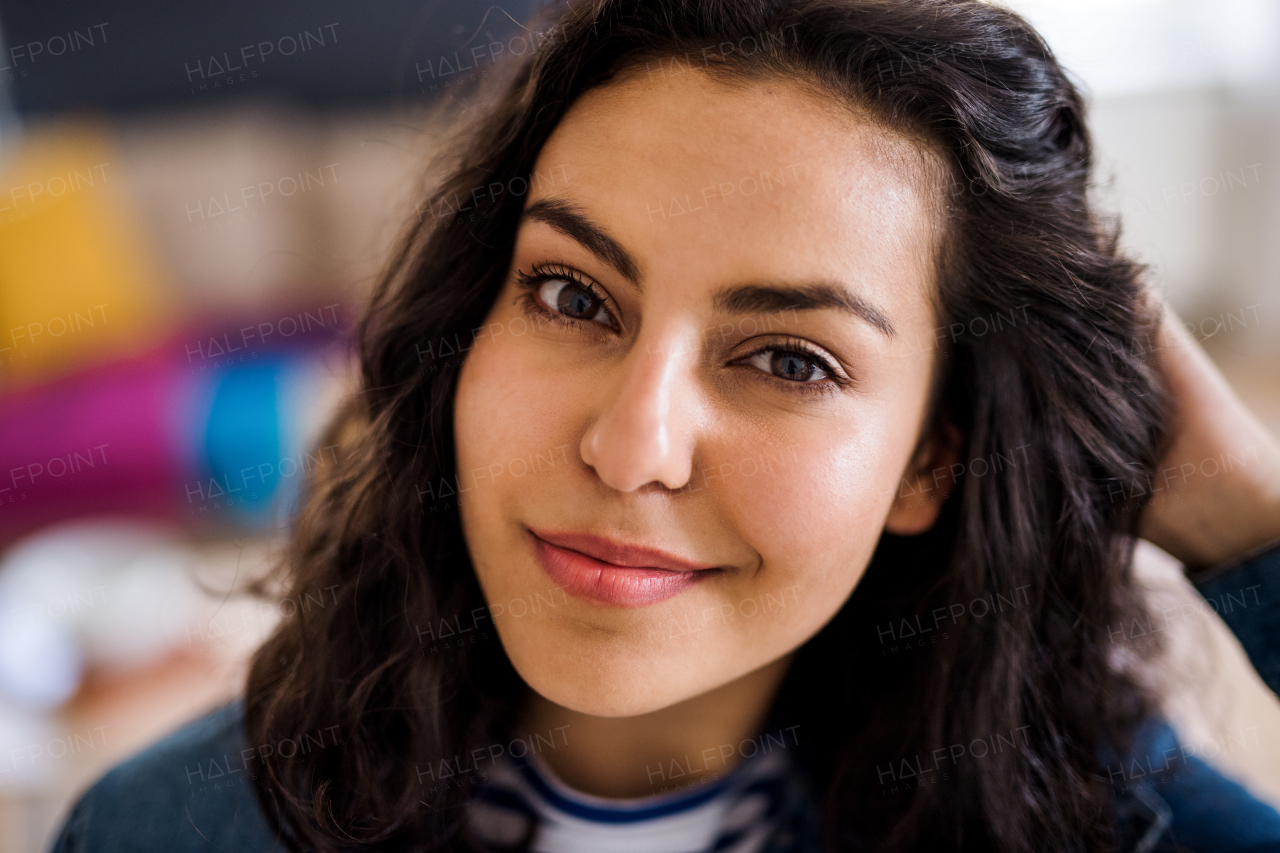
790 365
573 300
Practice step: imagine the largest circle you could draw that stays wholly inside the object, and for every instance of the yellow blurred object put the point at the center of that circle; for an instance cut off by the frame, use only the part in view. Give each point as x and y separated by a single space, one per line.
78 284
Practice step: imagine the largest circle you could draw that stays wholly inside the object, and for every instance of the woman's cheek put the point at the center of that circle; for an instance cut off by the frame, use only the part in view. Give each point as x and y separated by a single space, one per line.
816 515
513 411
819 505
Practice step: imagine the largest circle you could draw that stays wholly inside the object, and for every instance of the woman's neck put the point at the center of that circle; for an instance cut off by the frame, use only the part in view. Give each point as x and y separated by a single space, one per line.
689 742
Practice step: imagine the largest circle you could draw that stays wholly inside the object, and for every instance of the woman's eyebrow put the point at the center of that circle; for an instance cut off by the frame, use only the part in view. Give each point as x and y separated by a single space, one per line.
763 298
570 220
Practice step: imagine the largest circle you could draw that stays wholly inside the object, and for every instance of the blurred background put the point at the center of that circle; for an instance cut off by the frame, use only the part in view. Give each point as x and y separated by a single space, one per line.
194 203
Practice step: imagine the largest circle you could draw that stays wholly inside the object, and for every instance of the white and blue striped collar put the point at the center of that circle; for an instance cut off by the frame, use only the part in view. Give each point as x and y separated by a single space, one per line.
734 813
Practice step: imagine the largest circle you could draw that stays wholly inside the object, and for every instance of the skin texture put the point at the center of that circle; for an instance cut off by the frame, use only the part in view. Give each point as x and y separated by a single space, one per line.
667 431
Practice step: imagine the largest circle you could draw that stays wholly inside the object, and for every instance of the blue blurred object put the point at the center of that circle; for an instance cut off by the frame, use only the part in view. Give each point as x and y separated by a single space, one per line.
255 438
242 437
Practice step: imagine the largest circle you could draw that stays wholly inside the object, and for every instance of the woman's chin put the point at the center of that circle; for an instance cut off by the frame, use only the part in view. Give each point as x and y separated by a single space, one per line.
593 704
607 688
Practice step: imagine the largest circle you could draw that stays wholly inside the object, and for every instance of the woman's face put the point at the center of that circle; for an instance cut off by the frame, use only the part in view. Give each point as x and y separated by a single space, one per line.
698 394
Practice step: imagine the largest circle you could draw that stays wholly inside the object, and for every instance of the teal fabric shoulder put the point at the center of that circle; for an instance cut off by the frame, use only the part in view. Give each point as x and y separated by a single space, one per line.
192 791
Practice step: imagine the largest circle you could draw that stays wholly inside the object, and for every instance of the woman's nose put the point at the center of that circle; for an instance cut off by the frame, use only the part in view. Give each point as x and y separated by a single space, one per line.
643 432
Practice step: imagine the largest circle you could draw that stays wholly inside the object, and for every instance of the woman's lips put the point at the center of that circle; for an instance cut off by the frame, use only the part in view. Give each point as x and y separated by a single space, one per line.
620 575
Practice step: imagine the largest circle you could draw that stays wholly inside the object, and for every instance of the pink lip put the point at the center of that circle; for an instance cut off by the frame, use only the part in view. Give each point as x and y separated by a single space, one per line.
608 572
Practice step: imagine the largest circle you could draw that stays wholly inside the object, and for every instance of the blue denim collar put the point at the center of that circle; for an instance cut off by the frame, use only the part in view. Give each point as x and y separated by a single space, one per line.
1143 821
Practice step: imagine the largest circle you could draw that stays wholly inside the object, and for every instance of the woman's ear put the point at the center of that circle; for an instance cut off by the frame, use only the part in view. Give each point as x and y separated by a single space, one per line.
926 484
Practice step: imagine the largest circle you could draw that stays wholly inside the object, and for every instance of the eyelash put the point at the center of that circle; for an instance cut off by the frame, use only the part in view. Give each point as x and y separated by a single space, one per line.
539 274
830 385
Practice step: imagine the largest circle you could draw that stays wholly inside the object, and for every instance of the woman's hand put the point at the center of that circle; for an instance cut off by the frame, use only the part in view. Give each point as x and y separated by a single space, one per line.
1207 505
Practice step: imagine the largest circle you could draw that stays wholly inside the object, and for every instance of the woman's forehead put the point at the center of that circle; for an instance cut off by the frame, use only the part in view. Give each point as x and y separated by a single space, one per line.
766 177
708 122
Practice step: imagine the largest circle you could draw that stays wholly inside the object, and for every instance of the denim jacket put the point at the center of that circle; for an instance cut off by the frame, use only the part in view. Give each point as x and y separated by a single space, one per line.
193 791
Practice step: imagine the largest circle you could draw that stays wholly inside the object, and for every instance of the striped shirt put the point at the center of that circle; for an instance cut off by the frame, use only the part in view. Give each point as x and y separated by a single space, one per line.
735 813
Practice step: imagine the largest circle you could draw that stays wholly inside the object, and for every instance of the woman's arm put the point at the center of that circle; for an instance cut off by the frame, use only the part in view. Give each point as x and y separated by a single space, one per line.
1221 520
1210 512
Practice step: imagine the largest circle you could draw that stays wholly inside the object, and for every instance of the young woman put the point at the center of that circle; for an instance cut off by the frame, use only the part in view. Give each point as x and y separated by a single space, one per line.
751 445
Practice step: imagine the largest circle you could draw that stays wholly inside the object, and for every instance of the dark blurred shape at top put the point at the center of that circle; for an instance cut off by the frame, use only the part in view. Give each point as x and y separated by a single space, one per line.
122 56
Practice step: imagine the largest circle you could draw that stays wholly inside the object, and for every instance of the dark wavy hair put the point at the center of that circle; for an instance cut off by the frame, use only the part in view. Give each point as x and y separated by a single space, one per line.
1062 390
